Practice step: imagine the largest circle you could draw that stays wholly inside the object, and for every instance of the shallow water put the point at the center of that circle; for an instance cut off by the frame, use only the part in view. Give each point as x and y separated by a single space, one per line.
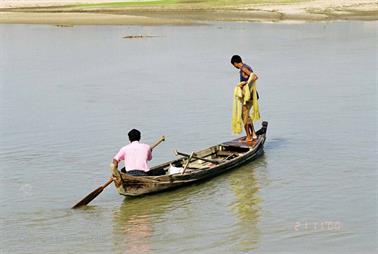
70 95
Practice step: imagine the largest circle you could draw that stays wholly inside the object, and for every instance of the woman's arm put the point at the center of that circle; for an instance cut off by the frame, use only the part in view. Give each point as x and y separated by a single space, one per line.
252 76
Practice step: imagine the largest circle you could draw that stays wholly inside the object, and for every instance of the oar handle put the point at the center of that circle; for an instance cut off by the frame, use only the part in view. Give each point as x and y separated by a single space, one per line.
162 138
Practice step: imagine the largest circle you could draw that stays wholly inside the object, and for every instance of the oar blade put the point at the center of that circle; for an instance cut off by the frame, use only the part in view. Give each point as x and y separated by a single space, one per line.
89 197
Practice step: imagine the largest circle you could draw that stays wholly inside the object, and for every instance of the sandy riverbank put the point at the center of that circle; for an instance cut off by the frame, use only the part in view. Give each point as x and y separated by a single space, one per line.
76 12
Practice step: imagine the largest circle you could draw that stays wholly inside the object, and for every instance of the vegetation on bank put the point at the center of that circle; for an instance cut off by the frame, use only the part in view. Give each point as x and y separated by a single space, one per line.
182 3
152 12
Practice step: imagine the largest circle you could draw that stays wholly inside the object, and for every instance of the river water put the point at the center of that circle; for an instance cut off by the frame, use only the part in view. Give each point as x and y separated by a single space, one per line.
69 95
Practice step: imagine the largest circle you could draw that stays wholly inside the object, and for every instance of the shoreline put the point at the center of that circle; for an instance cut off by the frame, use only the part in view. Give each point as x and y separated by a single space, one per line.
182 14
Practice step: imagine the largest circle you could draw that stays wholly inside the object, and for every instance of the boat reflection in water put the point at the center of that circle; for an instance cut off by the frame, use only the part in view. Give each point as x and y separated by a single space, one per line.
246 206
140 224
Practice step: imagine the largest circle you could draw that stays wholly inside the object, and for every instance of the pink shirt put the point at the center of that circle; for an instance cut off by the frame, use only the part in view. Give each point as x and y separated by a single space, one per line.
135 156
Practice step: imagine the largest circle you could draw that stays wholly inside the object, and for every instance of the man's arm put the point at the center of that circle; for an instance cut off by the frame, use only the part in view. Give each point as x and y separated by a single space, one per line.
118 157
149 155
115 163
115 174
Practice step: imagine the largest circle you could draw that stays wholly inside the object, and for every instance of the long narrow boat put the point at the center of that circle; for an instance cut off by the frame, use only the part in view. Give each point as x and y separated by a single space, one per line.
197 166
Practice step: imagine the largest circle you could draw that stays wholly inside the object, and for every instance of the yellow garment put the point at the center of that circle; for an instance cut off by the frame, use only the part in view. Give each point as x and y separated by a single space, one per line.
256 113
237 111
241 97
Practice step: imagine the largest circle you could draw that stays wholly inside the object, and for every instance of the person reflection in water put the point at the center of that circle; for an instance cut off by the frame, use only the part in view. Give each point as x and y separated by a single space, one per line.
246 209
137 232
133 227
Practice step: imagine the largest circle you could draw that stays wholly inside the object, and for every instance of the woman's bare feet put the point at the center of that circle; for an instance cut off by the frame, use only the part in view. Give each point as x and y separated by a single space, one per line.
248 139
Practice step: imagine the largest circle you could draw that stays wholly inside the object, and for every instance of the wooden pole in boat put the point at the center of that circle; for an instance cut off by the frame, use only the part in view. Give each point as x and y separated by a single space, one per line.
196 157
97 191
187 164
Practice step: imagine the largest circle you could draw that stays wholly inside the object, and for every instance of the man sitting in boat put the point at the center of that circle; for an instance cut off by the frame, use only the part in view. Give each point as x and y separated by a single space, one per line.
136 155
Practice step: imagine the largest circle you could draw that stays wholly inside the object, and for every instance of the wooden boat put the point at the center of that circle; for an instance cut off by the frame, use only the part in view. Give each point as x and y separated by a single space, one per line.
197 166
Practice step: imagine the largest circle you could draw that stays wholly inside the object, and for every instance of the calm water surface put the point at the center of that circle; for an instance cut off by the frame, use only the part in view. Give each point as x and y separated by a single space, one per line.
70 95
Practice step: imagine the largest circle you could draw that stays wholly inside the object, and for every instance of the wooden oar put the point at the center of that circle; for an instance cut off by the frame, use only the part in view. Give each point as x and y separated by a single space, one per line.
97 191
161 139
93 194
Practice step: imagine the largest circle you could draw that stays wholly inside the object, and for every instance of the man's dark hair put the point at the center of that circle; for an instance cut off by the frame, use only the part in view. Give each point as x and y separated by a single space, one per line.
134 135
236 59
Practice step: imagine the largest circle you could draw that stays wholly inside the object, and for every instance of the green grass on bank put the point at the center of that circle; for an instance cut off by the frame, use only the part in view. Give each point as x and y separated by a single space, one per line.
193 3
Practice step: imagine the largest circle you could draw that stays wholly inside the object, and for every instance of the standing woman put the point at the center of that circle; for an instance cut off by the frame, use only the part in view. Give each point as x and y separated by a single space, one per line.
247 77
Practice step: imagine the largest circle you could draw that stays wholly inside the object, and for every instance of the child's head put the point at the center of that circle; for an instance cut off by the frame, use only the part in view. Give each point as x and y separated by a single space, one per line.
236 61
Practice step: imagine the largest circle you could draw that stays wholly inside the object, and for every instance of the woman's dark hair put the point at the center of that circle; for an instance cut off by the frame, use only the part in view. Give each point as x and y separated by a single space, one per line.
236 59
134 135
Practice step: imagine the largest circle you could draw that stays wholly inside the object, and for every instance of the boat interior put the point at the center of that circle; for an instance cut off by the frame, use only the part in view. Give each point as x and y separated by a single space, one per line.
201 160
